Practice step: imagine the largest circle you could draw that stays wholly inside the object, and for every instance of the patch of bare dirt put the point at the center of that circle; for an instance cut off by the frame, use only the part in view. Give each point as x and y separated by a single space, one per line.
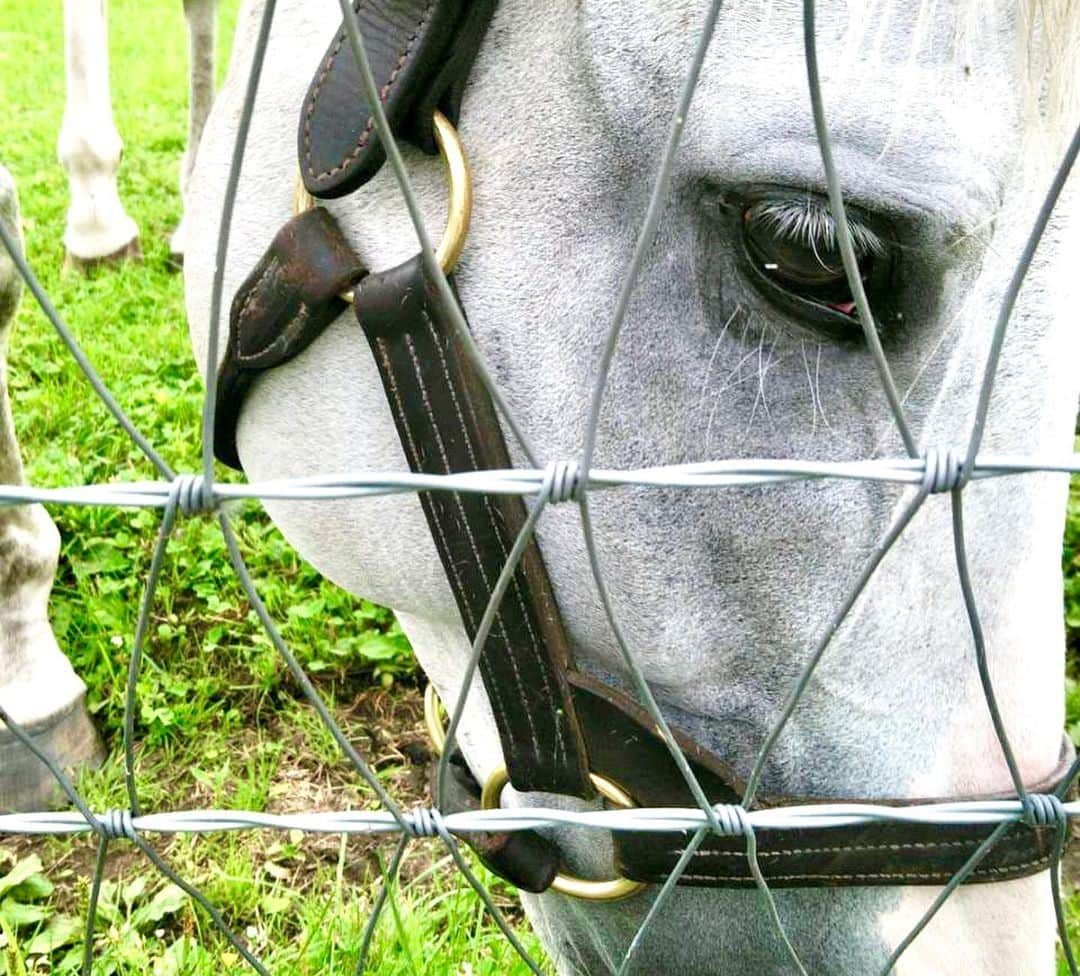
387 729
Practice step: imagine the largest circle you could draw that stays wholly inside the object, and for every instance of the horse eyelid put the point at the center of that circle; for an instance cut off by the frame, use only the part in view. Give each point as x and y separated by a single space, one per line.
808 221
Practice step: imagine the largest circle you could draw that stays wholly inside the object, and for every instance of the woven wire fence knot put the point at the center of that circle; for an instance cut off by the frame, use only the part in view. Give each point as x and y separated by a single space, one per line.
192 494
944 470
425 822
116 825
562 482
732 819
1043 810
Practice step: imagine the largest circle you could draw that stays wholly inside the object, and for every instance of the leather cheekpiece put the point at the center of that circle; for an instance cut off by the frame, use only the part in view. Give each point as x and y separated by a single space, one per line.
421 52
286 302
447 424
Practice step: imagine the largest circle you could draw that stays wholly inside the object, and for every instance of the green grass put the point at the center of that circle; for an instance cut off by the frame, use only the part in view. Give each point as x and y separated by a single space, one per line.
219 722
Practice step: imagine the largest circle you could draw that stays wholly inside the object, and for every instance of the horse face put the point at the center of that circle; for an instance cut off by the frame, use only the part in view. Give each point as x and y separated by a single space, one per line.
739 342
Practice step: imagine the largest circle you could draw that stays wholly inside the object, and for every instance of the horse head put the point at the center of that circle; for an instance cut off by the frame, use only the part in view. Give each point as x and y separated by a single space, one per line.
741 340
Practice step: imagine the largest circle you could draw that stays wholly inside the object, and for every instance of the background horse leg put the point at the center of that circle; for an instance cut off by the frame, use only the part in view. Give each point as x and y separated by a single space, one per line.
98 229
38 687
202 23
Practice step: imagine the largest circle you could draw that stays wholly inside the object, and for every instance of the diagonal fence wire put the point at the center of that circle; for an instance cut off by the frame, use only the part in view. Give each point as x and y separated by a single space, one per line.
642 247
931 472
843 231
447 298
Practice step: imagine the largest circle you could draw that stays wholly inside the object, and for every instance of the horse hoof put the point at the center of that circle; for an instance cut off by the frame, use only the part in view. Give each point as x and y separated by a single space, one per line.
132 251
68 733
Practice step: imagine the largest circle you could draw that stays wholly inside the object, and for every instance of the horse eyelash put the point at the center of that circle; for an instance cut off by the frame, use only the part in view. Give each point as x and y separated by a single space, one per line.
810 222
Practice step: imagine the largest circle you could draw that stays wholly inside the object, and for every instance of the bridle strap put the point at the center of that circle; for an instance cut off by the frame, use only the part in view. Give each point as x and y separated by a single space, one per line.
621 746
421 52
447 424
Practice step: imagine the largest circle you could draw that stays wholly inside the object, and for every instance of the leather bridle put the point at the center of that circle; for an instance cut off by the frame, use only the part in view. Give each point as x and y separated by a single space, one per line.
561 729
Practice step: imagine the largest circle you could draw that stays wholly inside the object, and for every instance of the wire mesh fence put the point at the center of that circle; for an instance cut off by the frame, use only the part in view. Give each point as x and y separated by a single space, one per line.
926 472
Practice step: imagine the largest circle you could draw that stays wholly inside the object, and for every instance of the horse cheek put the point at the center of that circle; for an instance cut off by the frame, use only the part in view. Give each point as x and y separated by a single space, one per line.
976 930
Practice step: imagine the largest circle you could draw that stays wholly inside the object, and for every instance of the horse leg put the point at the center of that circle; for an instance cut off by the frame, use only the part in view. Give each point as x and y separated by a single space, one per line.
201 20
98 229
38 687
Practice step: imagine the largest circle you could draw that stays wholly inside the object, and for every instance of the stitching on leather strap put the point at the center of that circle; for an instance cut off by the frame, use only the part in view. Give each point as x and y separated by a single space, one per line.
795 851
384 92
899 876
418 373
271 265
497 705
549 692
552 693
879 876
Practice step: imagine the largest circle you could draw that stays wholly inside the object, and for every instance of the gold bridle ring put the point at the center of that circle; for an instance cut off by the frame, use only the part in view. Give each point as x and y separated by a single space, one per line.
459 192
569 884
490 795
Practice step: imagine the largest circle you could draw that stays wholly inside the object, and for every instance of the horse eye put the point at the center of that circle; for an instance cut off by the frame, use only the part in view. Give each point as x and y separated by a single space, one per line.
790 251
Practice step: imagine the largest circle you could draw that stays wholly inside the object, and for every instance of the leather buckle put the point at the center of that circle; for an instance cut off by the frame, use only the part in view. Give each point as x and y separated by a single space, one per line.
613 889
459 191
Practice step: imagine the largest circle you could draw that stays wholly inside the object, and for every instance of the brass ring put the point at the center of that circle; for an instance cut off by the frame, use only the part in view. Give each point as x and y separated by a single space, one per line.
433 709
568 884
459 190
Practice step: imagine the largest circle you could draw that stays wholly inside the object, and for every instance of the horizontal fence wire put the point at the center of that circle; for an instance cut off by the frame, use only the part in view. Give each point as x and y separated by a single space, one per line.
194 495
417 822
932 470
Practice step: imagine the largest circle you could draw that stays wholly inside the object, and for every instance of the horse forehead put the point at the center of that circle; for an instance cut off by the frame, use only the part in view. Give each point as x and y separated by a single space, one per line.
923 100
870 51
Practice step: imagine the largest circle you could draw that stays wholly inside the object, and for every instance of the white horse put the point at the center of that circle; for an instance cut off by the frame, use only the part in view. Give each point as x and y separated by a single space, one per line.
98 227
38 687
941 115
